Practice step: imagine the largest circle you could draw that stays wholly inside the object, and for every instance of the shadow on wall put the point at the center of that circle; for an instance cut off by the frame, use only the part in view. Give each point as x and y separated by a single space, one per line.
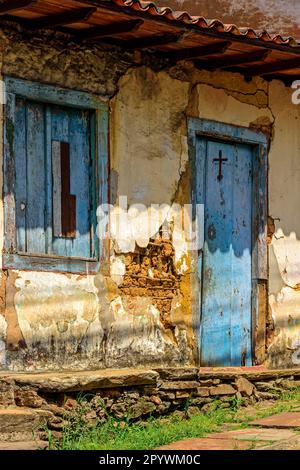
284 260
284 294
57 336
65 321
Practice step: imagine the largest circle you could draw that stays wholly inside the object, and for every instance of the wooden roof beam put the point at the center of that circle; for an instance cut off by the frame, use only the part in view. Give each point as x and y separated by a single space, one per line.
109 30
271 68
8 6
151 42
200 51
60 19
232 60
209 33
286 79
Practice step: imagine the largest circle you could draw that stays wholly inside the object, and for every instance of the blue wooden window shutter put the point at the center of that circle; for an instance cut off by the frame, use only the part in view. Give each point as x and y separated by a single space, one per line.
55 177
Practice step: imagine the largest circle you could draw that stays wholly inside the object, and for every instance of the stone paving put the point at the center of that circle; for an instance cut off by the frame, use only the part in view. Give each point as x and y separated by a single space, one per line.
283 420
277 432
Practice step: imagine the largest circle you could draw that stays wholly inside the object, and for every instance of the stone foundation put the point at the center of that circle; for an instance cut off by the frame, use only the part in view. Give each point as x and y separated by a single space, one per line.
56 399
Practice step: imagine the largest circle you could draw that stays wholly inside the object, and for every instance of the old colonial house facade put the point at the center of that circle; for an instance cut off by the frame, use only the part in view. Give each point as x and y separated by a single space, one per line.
111 100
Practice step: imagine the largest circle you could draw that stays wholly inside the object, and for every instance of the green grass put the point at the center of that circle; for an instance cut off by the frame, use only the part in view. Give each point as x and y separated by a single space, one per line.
116 435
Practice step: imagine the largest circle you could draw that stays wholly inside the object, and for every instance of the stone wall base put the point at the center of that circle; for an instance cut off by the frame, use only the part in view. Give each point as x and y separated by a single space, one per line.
138 394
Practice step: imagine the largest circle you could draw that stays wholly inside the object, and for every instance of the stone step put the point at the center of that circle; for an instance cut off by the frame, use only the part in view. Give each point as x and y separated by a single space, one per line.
253 373
70 381
20 424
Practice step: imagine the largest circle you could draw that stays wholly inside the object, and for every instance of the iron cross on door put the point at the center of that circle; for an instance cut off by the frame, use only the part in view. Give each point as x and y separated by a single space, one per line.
220 161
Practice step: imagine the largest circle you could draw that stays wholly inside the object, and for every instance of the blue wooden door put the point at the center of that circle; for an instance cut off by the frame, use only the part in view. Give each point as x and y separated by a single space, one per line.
226 186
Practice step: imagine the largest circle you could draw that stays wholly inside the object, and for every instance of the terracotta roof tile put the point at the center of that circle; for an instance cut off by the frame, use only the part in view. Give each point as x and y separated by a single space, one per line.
204 23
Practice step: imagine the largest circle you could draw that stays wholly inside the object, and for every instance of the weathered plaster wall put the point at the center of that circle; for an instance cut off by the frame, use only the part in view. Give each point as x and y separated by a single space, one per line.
158 144
54 320
270 108
152 313
66 321
284 187
3 320
142 314
52 59
258 105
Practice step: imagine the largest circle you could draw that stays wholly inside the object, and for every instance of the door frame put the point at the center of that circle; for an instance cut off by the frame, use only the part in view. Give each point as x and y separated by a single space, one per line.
208 129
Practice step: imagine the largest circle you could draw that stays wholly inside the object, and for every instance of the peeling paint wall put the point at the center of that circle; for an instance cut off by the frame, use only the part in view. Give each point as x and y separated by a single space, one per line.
52 320
68 327
284 257
141 312
158 144
51 59
145 111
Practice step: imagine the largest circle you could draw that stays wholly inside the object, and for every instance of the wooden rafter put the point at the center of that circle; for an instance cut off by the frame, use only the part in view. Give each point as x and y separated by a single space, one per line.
8 6
200 51
271 67
232 60
110 30
151 42
286 79
60 19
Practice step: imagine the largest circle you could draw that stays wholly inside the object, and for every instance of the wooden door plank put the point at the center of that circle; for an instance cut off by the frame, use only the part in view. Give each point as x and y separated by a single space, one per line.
60 132
217 281
227 265
241 295
68 200
81 185
102 196
35 214
56 189
20 174
48 181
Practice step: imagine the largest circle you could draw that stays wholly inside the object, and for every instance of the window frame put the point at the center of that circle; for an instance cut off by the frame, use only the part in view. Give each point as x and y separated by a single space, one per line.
53 95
